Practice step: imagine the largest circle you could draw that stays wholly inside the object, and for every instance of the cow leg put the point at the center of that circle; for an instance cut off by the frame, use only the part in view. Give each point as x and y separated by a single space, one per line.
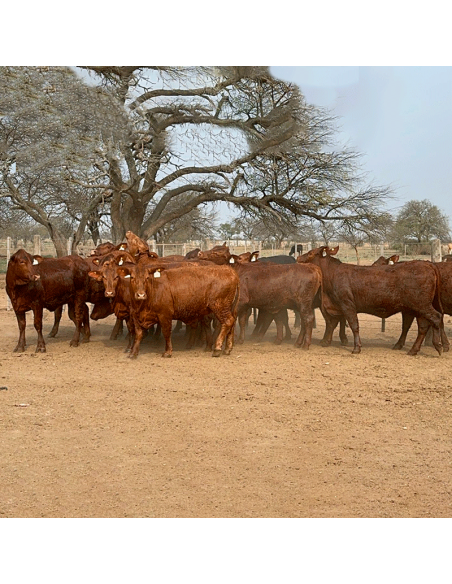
227 323
229 343
21 321
37 313
130 334
79 308
242 323
407 321
305 336
279 321
137 338
423 322
85 322
330 325
297 322
444 339
167 327
56 322
353 322
342 335
117 329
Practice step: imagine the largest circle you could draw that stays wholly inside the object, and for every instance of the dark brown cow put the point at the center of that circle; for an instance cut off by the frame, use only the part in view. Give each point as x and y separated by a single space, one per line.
445 272
47 284
447 258
274 287
193 254
380 290
187 293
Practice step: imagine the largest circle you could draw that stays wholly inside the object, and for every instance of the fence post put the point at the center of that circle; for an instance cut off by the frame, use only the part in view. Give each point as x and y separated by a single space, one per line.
436 254
37 245
69 246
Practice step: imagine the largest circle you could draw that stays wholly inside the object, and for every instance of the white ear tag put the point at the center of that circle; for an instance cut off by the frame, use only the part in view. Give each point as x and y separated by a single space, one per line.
391 263
121 261
35 262
156 274
128 276
253 259
324 253
232 261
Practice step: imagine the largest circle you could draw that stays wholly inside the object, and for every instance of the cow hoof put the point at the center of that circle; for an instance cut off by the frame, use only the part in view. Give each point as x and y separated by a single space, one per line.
446 348
278 341
167 355
74 344
344 342
216 353
356 351
51 335
40 350
19 350
132 356
325 343
397 347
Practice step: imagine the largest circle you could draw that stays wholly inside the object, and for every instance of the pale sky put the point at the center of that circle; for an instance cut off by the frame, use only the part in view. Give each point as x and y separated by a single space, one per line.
399 118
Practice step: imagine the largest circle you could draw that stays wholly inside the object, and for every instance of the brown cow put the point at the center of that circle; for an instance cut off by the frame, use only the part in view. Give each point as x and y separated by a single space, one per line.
219 254
445 272
34 285
381 291
274 287
187 293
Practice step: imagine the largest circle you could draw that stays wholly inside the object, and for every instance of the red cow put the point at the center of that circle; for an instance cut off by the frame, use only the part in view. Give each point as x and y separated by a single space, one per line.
187 293
274 287
381 291
34 285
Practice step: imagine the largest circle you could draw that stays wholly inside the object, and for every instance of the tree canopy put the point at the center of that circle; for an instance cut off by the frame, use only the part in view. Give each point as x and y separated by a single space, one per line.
420 222
141 148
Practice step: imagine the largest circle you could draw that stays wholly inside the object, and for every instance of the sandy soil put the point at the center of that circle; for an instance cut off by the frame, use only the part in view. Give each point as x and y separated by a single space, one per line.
271 431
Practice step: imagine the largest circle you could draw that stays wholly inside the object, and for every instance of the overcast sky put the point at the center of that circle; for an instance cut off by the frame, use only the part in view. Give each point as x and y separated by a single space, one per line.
399 118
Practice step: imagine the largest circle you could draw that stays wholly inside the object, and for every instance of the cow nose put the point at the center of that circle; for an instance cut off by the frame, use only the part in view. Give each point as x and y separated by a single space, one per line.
141 296
109 294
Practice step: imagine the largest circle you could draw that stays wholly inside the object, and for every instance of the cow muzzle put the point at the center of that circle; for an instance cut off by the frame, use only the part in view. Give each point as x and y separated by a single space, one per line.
141 296
109 294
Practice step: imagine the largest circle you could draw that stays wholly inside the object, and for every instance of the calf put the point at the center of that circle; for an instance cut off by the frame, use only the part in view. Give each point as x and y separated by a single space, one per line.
47 284
380 290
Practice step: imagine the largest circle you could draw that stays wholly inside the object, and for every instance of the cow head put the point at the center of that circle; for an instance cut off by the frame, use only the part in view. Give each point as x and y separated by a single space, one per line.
136 245
219 254
21 269
317 254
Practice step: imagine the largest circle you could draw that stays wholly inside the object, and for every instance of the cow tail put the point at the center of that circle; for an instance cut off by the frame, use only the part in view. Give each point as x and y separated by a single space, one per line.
437 298
236 300
318 298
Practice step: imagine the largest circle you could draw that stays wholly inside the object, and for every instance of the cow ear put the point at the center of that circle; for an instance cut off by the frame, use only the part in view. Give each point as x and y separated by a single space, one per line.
95 274
37 259
394 258
123 272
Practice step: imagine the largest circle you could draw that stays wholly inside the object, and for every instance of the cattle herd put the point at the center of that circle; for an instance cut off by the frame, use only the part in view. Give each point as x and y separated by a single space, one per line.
210 290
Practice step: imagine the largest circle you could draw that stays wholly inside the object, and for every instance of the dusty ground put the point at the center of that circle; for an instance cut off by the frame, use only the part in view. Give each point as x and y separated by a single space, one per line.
267 432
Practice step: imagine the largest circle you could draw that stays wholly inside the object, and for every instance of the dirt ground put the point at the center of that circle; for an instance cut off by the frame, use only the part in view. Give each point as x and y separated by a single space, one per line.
270 431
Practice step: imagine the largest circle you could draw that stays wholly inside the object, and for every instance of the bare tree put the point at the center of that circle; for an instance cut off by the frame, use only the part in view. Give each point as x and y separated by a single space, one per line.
51 124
